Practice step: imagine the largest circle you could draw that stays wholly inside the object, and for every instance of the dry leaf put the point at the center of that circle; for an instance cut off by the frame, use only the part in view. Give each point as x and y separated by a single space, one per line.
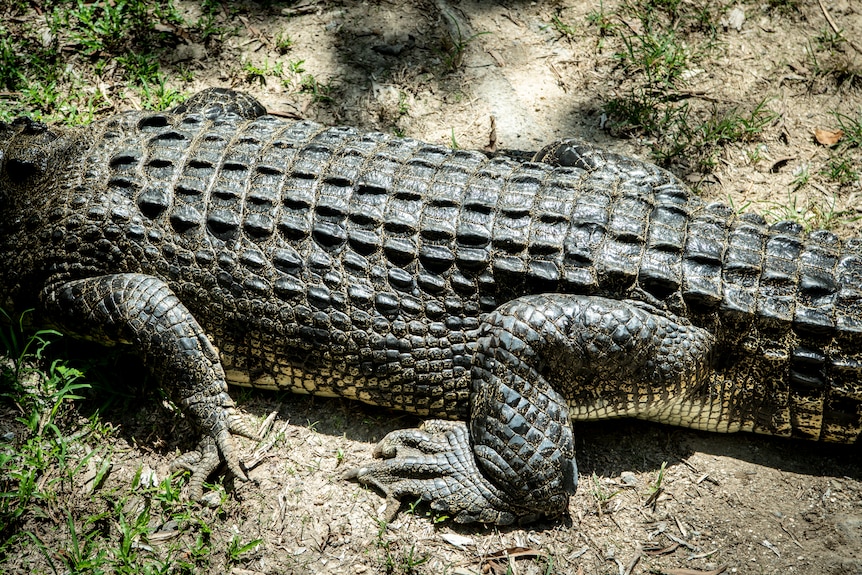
457 540
828 137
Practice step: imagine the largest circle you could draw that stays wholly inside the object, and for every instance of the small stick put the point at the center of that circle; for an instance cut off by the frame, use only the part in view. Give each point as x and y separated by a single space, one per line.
835 28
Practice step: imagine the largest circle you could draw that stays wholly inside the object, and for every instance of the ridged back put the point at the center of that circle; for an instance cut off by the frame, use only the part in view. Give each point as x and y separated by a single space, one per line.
288 197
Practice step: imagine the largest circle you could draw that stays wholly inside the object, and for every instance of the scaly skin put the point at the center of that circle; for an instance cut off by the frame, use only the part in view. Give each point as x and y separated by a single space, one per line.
513 296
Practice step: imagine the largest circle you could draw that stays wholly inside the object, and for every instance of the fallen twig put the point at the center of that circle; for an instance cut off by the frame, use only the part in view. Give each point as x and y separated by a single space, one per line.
835 28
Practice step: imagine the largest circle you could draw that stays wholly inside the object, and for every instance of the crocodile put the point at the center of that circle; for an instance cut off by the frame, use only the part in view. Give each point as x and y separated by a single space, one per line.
503 299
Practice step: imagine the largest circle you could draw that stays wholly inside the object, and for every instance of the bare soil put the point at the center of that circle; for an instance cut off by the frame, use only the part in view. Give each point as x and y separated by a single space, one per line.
441 71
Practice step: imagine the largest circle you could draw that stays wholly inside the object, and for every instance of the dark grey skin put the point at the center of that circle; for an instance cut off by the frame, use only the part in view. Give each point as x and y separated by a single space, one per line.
504 298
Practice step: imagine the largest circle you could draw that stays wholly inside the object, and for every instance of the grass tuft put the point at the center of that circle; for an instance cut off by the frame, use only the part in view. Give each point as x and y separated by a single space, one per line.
663 43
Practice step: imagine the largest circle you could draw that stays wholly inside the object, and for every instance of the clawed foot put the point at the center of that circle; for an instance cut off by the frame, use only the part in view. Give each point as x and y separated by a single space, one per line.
216 446
436 463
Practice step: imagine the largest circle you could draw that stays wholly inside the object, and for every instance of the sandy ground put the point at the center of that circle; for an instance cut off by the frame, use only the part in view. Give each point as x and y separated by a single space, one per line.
441 71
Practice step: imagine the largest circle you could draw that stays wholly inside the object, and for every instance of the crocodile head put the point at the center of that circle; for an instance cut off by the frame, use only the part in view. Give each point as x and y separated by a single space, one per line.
25 145
27 152
32 160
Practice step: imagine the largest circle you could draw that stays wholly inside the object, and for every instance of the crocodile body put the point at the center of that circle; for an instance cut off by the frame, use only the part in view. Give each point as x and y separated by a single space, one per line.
230 246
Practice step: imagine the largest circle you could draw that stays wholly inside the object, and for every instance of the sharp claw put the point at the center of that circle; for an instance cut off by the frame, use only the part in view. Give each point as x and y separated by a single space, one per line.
354 473
238 426
228 450
210 452
201 463
186 461
437 464
386 450
393 506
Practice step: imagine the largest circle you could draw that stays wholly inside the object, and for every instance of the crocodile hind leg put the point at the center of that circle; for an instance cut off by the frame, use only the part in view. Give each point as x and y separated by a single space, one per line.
143 311
536 356
570 153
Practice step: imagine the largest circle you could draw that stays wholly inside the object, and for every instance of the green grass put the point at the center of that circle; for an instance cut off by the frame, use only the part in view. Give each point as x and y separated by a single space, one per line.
259 72
564 29
605 23
67 526
455 43
840 170
830 59
658 59
159 96
655 488
678 130
659 56
395 561
319 91
291 74
237 549
283 43
806 203
852 128
131 39
601 494
812 213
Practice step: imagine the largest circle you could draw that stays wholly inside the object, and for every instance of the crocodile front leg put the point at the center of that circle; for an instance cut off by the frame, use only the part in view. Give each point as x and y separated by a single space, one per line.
143 311
537 355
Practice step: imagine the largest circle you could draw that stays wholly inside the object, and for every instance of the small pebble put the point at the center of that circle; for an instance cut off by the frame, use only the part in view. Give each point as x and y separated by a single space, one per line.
735 19
628 478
